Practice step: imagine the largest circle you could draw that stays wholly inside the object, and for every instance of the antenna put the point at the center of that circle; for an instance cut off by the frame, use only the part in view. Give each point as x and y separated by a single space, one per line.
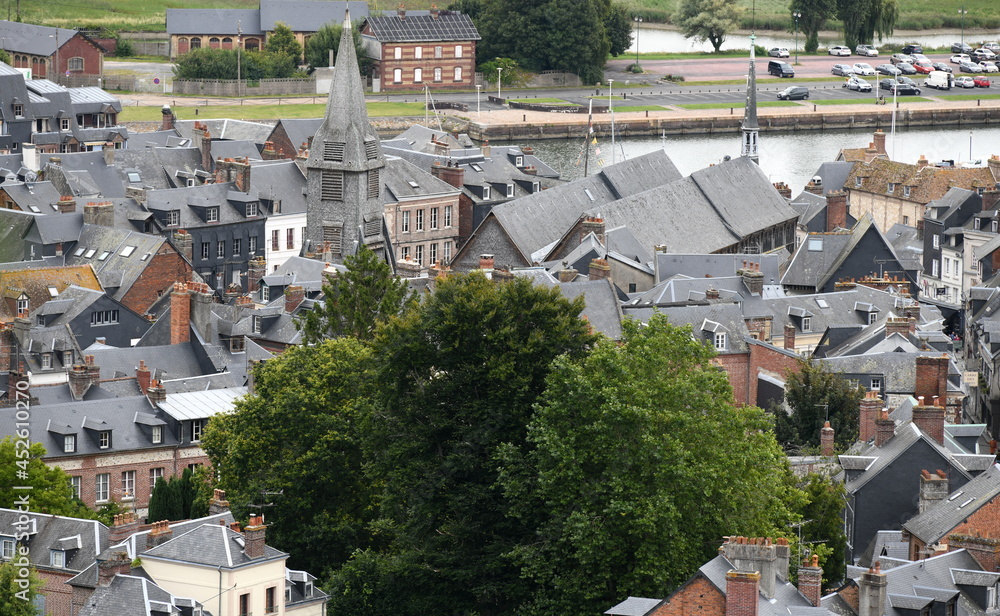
263 497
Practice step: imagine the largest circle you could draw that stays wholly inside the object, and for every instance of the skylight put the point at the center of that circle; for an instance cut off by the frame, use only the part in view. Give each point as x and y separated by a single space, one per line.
104 255
134 177
956 495
816 245
413 184
34 209
145 256
127 251
53 291
79 251
476 167
822 303
90 253
589 194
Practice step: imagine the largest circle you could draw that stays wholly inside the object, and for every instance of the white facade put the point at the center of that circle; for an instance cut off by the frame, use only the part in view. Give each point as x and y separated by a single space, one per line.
283 238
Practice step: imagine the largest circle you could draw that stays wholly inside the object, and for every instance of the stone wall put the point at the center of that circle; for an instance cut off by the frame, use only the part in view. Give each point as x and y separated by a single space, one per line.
228 87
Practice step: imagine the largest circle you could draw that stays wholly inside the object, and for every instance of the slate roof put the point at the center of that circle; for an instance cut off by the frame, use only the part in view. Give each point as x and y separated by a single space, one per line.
837 308
908 245
157 168
309 15
602 310
941 518
786 595
813 268
212 545
298 130
132 595
26 194
135 544
834 174
714 265
705 321
898 369
447 26
223 21
129 254
635 606
50 530
886 543
14 225
926 183
399 177
175 361
32 39
226 129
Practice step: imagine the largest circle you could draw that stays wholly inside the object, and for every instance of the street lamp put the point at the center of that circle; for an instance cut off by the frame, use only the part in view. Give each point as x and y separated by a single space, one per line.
962 12
612 112
796 15
479 88
638 20
499 68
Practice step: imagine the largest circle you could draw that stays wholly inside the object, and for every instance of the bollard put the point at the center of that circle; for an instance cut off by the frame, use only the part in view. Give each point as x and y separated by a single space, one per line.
814 107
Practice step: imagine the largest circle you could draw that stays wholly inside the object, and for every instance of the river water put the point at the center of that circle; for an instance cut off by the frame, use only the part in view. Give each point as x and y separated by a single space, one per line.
666 40
787 157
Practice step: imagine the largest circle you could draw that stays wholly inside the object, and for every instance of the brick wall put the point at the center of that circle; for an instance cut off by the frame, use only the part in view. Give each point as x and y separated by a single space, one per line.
742 589
980 534
932 374
58 594
698 597
165 268
737 366
767 360
79 47
408 62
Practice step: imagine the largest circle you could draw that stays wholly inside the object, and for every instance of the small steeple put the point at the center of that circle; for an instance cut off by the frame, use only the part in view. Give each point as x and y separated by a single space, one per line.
750 128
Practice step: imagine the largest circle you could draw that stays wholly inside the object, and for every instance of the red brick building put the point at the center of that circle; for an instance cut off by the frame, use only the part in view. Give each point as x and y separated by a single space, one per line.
413 50
51 52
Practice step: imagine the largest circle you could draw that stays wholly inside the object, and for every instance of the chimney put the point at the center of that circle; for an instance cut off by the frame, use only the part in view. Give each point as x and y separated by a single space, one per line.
201 309
930 419
294 294
243 301
826 441
159 534
218 504
486 262
79 381
108 149
885 428
256 270
567 274
167 118
487 150
741 593
454 175
897 325
713 293
753 554
156 393
753 278
254 535
783 189
933 489
879 145
912 312
407 268
401 11
29 156
142 376
125 524
434 11
180 314
66 205
990 198
922 162
789 334
868 414
600 269
932 376
201 138
93 370
872 591
811 580
814 187
184 244
782 557
268 153
836 210
118 564
595 226
102 214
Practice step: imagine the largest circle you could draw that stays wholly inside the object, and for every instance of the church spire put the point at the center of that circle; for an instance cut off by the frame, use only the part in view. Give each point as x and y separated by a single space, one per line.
750 128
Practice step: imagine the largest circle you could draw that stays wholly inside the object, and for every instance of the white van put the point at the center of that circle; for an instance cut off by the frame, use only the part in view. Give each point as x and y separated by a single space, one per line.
940 80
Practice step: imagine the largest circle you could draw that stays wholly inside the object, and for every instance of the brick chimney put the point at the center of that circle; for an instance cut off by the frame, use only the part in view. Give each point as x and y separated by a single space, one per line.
592 225
753 278
454 175
159 534
236 170
294 294
156 393
99 213
897 325
79 381
826 441
202 299
990 198
912 312
836 210
872 589
811 580
868 413
167 118
93 370
184 244
125 524
932 376
741 593
567 274
783 189
180 314
118 564
486 262
814 187
401 11
789 337
930 418
201 138
711 293
218 504
408 268
108 149
885 428
600 269
66 205
434 11
922 162
254 535
753 554
879 145
142 375
256 269
933 489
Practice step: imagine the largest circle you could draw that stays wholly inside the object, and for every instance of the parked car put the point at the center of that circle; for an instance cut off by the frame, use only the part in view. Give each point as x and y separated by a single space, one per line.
780 69
923 66
983 54
839 50
903 89
844 70
906 80
866 50
862 68
913 48
794 92
989 67
887 69
778 52
970 67
981 82
857 84
960 57
961 48
896 58
906 68
939 80
886 84
992 46
964 81
941 66
919 57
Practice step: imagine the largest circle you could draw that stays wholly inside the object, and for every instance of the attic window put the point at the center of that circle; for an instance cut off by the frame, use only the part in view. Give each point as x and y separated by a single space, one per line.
413 184
906 191
53 291
486 192
104 255
858 181
18 110
891 188
79 251
589 194
476 167
720 341
134 177
127 251
212 214
806 324
510 190
815 245
145 256
90 253
57 558
255 321
518 161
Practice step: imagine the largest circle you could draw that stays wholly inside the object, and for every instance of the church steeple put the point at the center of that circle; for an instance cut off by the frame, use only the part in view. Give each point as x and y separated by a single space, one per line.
343 172
750 128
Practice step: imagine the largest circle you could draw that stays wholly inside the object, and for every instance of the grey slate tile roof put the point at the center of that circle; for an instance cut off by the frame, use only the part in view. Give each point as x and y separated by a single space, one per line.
51 530
399 177
786 595
212 545
132 595
886 543
309 15
176 361
899 369
135 544
130 253
32 39
235 149
811 267
905 436
941 518
705 321
447 26
222 21
834 174
700 265
634 606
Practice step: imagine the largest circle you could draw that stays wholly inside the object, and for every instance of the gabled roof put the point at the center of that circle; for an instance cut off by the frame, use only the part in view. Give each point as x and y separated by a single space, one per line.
32 39
35 282
705 321
942 517
223 21
412 28
132 595
786 595
635 606
213 545
308 15
906 436
897 369
49 531
126 255
136 542
926 183
405 181
699 265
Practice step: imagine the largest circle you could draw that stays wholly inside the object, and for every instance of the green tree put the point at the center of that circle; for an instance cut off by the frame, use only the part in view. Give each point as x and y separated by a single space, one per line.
458 376
511 75
356 301
863 20
814 394
282 41
166 502
295 443
638 450
327 38
814 15
50 487
16 599
708 20
208 63
469 7
823 524
5 57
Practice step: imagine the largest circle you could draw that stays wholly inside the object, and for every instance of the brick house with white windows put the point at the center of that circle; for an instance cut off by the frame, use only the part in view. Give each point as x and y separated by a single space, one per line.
414 49
421 212
49 52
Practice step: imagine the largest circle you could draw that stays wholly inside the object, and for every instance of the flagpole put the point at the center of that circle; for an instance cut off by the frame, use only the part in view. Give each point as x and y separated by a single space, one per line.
590 131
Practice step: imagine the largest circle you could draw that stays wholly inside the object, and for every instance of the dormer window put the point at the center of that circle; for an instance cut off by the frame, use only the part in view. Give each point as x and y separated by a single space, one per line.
993 226
891 189
7 548
46 361
510 190
104 439
64 124
157 436
518 161
720 341
936 240
173 218
858 181
255 323
22 304
265 293
57 558
806 323
975 223
19 110
67 358
486 192
69 443
535 186
906 191
872 317
197 427
212 214
251 209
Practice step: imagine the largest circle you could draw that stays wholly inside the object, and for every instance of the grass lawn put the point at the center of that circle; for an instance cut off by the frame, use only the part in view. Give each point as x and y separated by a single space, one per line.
737 105
966 97
263 112
866 99
640 108
541 101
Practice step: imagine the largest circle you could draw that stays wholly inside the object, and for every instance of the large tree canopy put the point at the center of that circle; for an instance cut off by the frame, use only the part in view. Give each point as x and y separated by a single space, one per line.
327 39
814 14
815 395
50 489
575 36
637 451
865 19
708 20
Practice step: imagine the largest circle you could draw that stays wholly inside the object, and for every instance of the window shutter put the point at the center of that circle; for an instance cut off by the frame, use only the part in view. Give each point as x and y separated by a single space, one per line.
332 185
371 149
334 236
333 151
373 184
